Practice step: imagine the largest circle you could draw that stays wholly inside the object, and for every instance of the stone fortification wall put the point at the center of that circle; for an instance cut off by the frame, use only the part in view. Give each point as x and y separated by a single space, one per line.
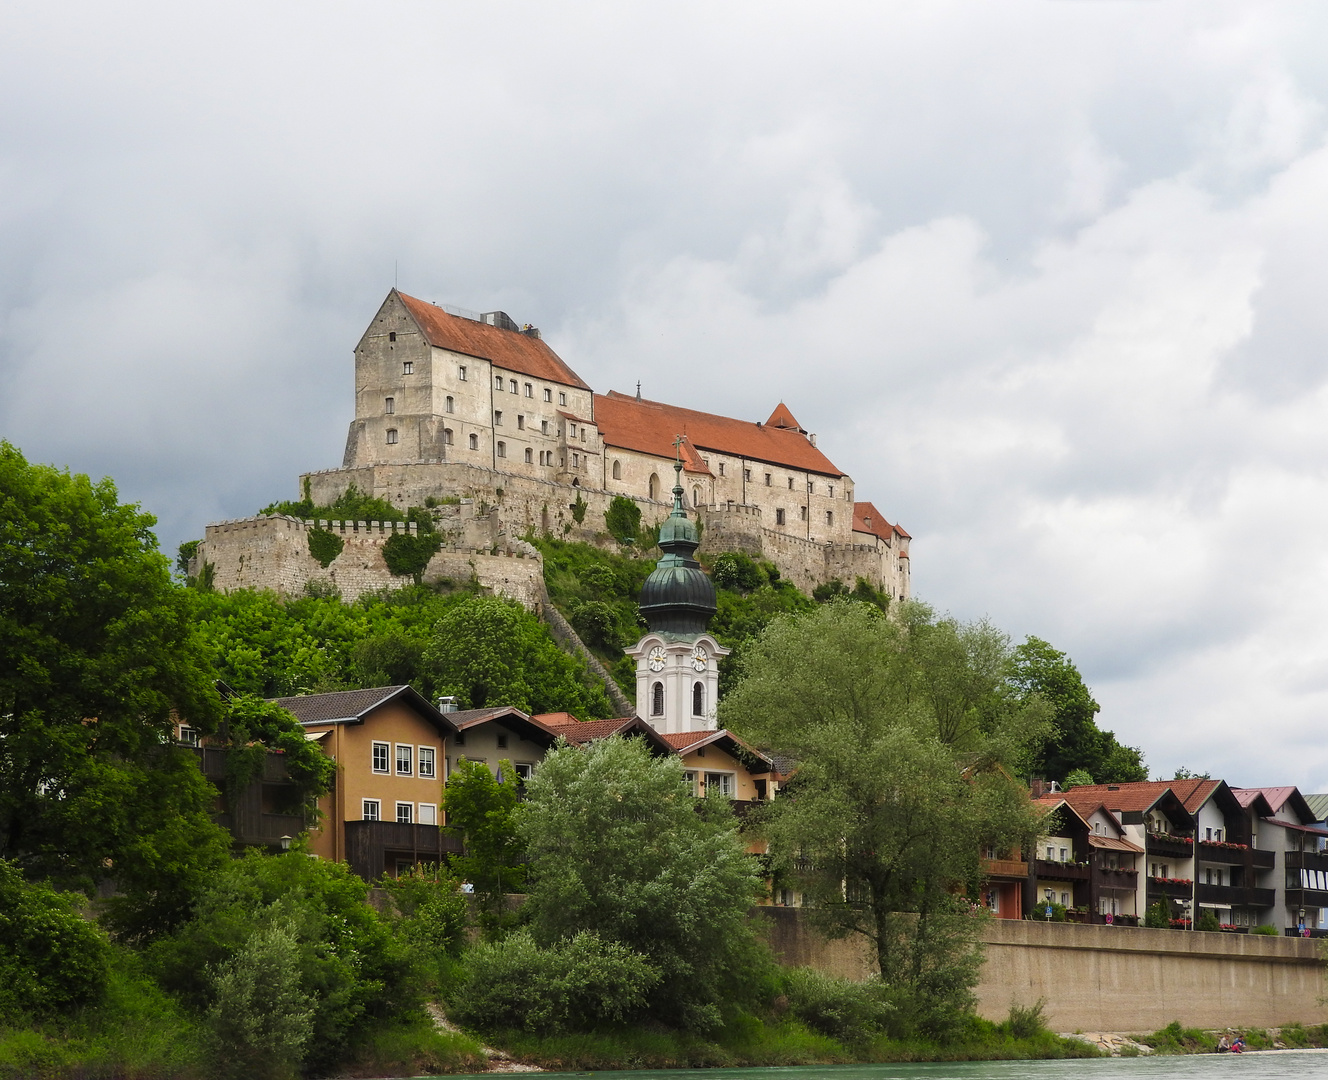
732 527
1110 978
272 552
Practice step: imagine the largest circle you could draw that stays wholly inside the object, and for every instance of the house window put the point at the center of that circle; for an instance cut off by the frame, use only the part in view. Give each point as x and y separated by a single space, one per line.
502 740
746 474
408 367
689 778
511 385
1217 835
562 398
380 752
530 456
657 699
428 756
530 391
405 755
449 405
497 382
389 405
1208 834
829 517
459 738
447 436
392 335
617 470
524 771
698 699
497 417
1051 855
1063 853
502 449
370 810
779 517
391 436
428 814
520 422
719 783
548 395
474 442
405 813
188 735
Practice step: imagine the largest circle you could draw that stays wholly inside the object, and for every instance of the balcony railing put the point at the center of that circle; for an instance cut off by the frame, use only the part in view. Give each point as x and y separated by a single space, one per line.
1062 871
1009 868
1235 895
1179 847
370 843
1119 878
261 829
1306 860
1213 851
1177 887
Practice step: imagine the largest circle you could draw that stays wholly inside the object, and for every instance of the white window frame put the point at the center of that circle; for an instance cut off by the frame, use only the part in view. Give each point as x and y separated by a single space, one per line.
371 810
689 778
524 770
725 780
562 398
461 373
498 383
427 809
408 367
387 758
409 770
409 819
423 754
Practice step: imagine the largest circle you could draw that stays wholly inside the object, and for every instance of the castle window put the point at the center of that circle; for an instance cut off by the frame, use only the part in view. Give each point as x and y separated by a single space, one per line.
511 385
497 417
698 699
802 513
544 427
447 436
389 405
497 382
767 479
474 442
530 456
548 395
746 474
657 699
461 374
392 335
583 432
829 517
721 468
832 491
617 470
790 480
576 461
811 488
654 486
502 449
696 496
391 436
408 367
449 405
562 398
520 422
779 517
571 431
530 390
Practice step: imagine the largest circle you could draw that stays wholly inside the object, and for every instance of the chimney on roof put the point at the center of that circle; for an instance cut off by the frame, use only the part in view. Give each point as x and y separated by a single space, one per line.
447 704
812 437
1037 787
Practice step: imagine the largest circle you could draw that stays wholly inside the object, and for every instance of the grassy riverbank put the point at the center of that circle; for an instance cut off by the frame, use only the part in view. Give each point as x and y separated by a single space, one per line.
1174 1039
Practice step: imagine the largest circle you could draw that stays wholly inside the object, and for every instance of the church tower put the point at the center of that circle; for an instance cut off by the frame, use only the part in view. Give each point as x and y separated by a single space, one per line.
677 682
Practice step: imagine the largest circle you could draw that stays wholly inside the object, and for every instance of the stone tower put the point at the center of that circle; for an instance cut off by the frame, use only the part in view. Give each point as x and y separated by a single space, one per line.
677 681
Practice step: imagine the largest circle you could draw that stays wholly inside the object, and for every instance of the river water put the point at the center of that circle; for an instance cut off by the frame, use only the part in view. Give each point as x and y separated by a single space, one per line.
1277 1065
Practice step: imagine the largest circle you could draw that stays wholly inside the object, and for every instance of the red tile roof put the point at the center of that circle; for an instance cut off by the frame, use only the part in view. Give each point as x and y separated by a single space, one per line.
508 349
866 518
1136 796
649 427
582 731
782 418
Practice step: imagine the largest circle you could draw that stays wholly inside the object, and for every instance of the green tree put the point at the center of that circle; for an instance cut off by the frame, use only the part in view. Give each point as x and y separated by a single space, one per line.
482 813
1075 741
902 730
409 553
98 653
623 519
489 651
618 849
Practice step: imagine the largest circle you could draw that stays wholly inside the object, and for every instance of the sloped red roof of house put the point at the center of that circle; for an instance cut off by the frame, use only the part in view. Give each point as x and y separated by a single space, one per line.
1276 798
649 427
1140 795
782 418
508 349
866 518
583 731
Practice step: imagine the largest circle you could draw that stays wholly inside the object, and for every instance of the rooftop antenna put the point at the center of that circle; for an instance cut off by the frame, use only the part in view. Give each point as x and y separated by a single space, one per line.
638 389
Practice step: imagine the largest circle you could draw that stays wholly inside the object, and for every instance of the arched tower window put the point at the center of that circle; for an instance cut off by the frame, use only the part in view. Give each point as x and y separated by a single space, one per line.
447 436
617 470
696 496
698 699
391 436
530 456
657 699
654 486
474 442
450 406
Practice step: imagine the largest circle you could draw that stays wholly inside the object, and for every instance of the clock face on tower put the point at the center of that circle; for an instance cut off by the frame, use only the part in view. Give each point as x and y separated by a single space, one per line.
699 658
657 658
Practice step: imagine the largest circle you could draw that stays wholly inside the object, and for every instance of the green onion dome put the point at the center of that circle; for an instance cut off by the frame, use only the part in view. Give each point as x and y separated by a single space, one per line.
678 598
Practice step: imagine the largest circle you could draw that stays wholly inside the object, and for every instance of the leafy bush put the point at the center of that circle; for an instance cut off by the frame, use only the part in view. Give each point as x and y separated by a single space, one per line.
1158 916
350 505
1024 1021
324 546
431 908
596 623
1208 921
839 1008
623 519
1077 778
409 553
572 985
1267 930
51 959
735 571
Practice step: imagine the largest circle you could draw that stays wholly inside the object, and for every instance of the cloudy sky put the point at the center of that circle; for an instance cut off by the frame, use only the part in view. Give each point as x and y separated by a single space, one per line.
1048 279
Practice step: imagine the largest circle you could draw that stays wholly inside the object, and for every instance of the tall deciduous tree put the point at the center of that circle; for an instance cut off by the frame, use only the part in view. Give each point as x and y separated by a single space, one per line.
1075 742
901 730
482 813
618 848
98 652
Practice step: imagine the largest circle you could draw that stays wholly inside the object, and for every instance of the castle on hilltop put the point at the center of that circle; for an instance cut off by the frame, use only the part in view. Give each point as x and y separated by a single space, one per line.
473 409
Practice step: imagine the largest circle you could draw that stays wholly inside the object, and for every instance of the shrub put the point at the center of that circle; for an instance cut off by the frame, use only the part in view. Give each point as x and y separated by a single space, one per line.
432 909
1208 922
596 623
409 553
1024 1021
51 959
572 985
1267 931
1158 917
737 572
836 1007
325 545
623 519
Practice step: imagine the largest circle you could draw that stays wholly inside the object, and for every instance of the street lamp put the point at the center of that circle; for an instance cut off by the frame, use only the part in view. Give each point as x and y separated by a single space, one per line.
285 843
1301 914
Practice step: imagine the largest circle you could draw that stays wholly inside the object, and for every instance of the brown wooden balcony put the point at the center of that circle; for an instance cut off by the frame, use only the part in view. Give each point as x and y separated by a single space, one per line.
1062 871
1234 895
1118 878
370 845
1178 888
1004 868
1306 860
1170 846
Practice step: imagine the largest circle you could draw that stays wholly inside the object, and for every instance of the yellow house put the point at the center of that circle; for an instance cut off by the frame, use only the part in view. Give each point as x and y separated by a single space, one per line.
500 734
390 745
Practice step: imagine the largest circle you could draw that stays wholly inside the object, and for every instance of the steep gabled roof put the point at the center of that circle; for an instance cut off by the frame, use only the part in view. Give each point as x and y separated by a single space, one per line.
353 706
514 720
509 349
649 427
782 418
687 742
1319 805
580 732
1139 796
867 519
1277 797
